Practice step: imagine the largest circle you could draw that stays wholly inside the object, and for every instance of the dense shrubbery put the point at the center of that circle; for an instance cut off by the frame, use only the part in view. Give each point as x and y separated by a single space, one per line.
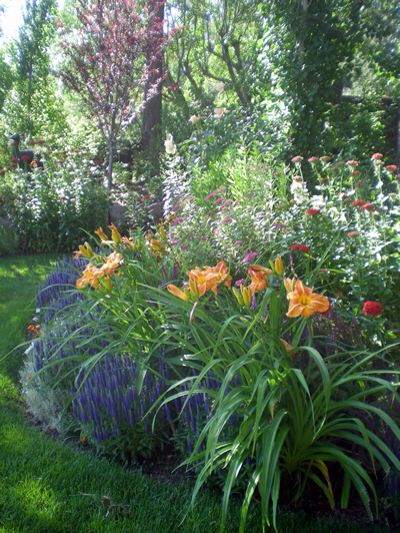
50 210
260 382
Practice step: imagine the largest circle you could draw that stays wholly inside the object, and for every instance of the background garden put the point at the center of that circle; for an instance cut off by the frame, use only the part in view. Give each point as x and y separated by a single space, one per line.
200 241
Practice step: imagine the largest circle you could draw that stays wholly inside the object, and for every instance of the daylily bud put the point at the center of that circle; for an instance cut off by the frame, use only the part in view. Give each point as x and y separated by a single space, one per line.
115 234
279 266
100 233
85 250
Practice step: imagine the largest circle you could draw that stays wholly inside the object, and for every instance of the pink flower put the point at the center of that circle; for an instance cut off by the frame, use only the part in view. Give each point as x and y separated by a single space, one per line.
226 219
176 220
297 159
377 155
313 159
239 282
353 163
249 256
238 242
391 168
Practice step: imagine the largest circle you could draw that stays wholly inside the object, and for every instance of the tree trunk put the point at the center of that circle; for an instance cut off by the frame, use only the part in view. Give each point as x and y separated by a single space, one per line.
151 121
110 164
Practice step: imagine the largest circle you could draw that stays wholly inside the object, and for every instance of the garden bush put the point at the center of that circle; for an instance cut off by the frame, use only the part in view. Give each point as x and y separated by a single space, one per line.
50 210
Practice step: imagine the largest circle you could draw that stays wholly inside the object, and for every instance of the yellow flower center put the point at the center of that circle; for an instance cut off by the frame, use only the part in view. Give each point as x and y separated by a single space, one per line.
304 299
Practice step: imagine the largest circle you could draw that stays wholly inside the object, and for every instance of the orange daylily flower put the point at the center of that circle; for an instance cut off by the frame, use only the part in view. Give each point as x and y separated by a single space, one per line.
202 280
304 302
176 291
90 276
128 242
113 261
258 275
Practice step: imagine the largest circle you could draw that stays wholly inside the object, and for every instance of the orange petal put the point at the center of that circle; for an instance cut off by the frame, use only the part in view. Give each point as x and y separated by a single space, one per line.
176 291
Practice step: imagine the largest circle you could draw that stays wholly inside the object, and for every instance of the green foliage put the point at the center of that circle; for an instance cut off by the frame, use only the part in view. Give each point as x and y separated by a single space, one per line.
51 209
299 415
33 89
8 239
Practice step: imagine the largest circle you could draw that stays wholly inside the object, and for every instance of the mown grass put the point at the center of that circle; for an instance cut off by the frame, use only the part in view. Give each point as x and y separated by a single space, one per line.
49 486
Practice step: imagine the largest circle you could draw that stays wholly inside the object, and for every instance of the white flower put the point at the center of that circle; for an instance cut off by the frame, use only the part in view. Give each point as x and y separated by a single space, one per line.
219 111
194 119
219 86
170 146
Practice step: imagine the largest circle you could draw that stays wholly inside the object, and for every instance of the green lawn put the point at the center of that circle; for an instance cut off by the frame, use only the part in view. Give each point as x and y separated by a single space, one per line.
49 486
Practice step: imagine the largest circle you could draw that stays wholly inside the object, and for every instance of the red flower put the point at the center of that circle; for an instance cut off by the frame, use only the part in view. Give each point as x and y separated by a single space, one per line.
299 246
313 211
372 308
25 157
391 168
377 155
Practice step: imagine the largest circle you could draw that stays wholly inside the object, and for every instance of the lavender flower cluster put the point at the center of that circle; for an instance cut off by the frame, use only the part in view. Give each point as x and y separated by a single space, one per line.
107 401
57 291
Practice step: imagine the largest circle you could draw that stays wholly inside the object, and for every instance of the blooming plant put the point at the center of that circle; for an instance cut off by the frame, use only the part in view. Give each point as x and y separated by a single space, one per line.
296 411
50 209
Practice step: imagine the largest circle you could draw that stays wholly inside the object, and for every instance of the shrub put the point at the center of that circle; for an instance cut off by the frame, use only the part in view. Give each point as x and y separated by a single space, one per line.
51 209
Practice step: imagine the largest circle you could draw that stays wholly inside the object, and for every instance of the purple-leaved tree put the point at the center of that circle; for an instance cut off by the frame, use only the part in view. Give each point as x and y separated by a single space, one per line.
106 64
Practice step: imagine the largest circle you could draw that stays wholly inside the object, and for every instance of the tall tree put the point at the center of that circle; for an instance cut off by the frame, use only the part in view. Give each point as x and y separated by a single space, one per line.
308 45
31 56
151 120
106 65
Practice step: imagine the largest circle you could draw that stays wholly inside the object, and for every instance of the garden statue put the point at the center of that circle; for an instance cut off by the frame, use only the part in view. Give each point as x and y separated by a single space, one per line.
25 158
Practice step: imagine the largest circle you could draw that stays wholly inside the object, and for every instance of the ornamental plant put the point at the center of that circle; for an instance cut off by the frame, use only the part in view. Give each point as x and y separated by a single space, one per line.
106 64
50 210
299 414
345 231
